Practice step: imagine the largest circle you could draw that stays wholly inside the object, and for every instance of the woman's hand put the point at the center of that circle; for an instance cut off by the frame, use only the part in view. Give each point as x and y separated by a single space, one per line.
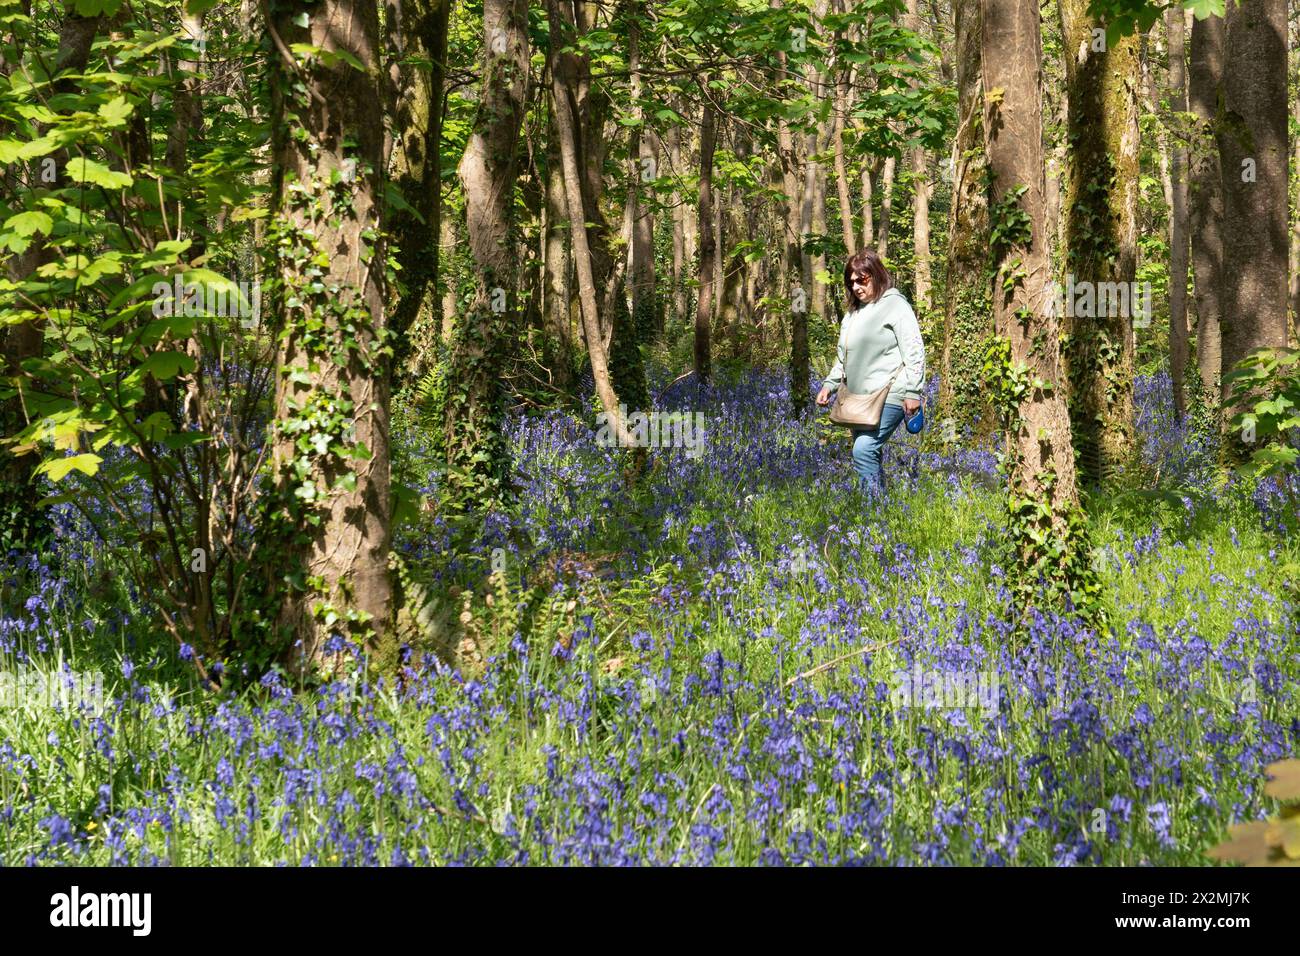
824 396
910 405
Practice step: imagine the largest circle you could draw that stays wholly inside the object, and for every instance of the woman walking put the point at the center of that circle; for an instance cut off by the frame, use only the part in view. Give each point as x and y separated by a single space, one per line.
880 343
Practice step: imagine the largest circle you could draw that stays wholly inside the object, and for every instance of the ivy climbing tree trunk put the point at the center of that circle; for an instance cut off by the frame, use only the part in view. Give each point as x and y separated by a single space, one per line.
1046 528
1102 83
967 316
1253 158
330 457
477 455
1205 75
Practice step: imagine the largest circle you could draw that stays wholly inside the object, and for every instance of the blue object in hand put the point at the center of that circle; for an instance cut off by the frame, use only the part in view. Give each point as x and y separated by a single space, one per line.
916 422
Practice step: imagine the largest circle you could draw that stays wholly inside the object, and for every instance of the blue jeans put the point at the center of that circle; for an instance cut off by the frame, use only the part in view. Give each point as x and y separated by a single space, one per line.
868 444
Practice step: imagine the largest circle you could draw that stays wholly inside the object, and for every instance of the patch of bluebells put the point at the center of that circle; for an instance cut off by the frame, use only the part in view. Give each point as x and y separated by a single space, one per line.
712 744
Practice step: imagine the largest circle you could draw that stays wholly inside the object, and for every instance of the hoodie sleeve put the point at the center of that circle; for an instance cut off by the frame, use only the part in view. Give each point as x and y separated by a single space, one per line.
912 349
837 370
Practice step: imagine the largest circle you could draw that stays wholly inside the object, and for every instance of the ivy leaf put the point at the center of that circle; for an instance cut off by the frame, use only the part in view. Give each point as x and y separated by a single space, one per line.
83 170
58 468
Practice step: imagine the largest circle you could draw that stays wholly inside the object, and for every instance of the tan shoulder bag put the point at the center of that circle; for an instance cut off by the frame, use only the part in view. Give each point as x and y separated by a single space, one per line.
861 411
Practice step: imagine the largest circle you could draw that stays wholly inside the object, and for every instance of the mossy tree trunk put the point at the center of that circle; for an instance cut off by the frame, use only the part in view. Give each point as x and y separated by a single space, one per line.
477 454
1043 513
968 322
420 36
1101 204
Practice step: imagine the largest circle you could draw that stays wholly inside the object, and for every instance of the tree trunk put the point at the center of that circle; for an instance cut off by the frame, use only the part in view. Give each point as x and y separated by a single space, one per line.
733 279
886 206
1205 79
565 80
646 315
963 400
555 263
841 165
868 224
1294 261
920 207
719 241
1178 345
420 34
1043 499
333 524
1253 157
1101 238
703 358
679 227
477 453
794 284
448 243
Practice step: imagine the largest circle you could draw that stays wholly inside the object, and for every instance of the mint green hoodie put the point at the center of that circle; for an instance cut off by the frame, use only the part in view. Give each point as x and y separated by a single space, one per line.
875 340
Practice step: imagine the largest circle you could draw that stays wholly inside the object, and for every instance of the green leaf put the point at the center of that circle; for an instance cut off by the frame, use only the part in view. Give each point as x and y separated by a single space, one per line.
164 253
58 468
165 365
1206 8
27 223
84 170
116 110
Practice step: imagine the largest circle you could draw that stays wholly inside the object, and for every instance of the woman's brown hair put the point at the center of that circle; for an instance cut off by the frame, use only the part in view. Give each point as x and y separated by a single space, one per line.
866 262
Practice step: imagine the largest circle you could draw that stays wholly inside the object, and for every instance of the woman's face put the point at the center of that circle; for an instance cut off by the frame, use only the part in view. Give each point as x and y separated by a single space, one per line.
862 286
